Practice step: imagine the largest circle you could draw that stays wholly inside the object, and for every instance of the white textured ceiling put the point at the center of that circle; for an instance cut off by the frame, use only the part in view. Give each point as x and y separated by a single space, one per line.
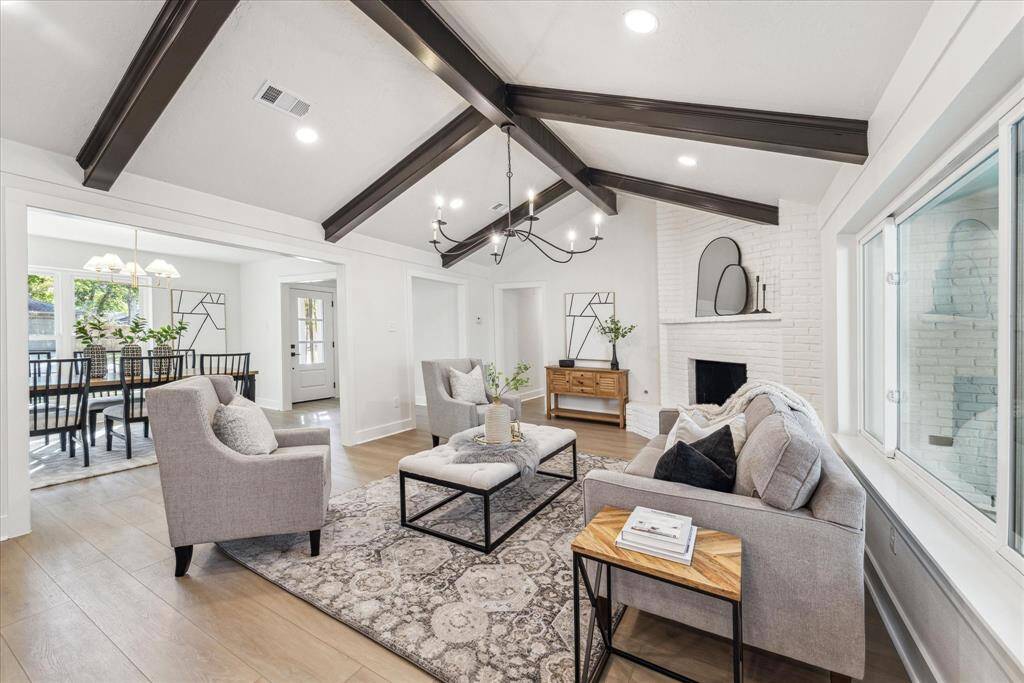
59 63
372 102
121 239
823 57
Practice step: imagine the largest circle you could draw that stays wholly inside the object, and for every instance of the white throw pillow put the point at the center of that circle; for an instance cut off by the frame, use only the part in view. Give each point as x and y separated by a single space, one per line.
242 427
687 429
468 386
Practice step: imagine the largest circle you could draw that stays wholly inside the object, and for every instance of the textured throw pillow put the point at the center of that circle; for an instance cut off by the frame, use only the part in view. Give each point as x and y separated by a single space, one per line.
687 429
709 463
779 463
468 386
242 427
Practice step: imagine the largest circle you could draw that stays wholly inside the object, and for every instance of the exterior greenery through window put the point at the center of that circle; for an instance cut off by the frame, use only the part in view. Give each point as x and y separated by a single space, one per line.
116 302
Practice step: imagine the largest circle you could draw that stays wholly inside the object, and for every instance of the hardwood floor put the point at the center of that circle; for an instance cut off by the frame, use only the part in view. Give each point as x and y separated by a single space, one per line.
90 593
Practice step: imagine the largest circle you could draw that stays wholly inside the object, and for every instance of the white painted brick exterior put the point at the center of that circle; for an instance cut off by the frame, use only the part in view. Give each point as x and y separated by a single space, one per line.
788 259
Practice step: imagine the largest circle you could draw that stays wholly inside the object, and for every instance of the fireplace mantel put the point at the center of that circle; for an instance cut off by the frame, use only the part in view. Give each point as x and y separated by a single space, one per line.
743 318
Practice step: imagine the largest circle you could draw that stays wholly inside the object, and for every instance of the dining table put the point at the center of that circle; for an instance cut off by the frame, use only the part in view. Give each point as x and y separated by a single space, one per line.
112 381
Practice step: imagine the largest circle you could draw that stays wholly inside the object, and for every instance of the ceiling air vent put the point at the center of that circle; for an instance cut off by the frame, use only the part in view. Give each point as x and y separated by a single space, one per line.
498 207
280 99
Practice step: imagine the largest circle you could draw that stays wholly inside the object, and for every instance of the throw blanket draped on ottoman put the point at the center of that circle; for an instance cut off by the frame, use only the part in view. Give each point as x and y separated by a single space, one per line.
525 454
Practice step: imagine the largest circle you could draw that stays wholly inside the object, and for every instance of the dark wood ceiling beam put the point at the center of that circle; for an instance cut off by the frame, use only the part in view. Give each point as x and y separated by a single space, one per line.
424 34
743 209
481 238
177 39
440 147
820 137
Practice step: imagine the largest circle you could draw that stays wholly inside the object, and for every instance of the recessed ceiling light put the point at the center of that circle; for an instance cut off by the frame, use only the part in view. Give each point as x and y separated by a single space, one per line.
687 161
455 203
307 135
640 21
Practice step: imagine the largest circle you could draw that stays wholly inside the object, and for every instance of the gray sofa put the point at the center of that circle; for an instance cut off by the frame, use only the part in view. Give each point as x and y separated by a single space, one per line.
212 493
448 416
803 570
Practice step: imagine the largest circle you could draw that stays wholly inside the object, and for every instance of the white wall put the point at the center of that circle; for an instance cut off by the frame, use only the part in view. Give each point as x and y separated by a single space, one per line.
522 329
623 263
198 274
435 325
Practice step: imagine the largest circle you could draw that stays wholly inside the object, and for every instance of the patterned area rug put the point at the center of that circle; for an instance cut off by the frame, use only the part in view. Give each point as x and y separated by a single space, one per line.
456 613
49 465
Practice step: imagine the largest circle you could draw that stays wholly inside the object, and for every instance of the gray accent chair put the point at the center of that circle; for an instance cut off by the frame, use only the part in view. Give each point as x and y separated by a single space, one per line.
212 493
448 416
803 570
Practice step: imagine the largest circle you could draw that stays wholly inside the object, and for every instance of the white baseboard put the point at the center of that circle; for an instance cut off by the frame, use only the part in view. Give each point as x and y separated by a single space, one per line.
915 661
269 403
380 431
531 394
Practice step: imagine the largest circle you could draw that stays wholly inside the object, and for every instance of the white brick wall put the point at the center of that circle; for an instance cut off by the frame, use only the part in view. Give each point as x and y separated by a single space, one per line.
788 259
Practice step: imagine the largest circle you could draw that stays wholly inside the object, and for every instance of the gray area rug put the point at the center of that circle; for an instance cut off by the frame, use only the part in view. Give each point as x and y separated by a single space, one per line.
49 465
456 613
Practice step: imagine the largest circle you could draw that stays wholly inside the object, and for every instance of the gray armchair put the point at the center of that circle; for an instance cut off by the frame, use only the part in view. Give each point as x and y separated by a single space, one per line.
212 493
446 415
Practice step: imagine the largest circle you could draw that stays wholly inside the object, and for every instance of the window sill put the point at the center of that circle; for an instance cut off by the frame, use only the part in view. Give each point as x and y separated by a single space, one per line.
984 585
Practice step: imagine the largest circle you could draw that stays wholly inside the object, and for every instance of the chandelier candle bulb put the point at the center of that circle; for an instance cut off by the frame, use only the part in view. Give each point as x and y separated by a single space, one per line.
530 195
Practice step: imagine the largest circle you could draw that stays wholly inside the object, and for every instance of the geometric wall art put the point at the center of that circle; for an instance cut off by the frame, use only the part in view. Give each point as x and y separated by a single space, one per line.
583 310
205 313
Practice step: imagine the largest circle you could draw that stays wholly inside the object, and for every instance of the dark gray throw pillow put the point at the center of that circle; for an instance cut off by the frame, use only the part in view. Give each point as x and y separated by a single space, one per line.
709 463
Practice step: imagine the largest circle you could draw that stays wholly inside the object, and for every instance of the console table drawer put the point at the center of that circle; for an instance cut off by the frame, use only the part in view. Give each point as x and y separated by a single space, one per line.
583 379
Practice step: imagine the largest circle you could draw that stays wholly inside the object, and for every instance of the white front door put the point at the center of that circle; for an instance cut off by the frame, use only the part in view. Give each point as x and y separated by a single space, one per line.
312 344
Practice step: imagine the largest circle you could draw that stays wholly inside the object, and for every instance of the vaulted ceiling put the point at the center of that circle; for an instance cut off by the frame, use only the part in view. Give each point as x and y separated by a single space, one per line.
373 102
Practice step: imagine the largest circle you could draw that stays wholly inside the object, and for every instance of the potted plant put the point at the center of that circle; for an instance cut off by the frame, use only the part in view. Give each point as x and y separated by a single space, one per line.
614 331
497 417
162 338
90 331
129 337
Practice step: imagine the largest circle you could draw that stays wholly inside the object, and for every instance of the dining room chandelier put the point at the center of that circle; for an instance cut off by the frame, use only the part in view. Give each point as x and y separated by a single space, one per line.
500 238
111 264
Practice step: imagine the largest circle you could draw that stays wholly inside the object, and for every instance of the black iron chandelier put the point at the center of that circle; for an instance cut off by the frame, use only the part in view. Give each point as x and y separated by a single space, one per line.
501 237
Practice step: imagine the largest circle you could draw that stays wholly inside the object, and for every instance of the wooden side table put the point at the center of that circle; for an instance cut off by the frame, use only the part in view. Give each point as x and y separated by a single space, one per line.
715 571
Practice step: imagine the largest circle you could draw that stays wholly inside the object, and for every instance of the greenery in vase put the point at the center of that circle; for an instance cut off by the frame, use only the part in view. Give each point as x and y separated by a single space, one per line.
613 329
500 385
90 329
133 332
164 335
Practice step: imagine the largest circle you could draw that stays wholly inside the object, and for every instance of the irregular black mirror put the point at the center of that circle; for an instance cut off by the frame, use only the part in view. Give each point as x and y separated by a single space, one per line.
720 253
731 297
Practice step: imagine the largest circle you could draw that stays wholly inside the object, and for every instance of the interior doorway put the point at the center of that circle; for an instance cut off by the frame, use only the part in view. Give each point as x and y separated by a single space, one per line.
519 332
312 345
438 324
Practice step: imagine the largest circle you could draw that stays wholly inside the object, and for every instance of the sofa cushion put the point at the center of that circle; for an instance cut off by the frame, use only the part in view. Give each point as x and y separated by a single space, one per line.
709 463
689 429
644 462
468 386
761 407
242 427
783 463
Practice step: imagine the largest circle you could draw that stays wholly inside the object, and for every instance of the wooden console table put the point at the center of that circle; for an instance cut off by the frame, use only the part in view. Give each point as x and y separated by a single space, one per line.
589 382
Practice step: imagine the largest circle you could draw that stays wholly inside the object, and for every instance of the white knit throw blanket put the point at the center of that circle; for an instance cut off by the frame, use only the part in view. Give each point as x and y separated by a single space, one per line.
739 401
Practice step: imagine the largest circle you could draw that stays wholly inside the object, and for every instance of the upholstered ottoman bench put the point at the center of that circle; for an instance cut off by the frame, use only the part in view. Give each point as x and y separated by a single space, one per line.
485 479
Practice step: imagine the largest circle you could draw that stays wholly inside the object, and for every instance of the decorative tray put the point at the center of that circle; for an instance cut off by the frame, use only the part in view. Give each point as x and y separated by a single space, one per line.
479 438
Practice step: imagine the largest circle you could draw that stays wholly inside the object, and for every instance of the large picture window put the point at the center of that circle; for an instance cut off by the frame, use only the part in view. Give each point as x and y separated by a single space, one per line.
117 302
43 323
947 335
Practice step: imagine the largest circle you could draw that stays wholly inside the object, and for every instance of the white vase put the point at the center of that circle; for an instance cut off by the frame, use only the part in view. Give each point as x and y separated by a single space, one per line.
497 423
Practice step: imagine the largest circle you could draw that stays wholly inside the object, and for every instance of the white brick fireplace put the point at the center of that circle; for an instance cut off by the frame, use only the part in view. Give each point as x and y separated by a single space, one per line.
783 346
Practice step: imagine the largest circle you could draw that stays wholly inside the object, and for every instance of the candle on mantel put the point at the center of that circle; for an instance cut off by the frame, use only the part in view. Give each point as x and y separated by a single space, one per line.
529 195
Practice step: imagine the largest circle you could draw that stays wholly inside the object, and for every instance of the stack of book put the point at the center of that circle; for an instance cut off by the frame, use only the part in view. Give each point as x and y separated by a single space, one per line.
661 534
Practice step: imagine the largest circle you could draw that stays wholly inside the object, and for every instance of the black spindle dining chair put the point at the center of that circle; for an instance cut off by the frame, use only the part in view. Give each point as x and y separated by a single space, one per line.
190 358
234 364
58 391
153 371
101 399
33 377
